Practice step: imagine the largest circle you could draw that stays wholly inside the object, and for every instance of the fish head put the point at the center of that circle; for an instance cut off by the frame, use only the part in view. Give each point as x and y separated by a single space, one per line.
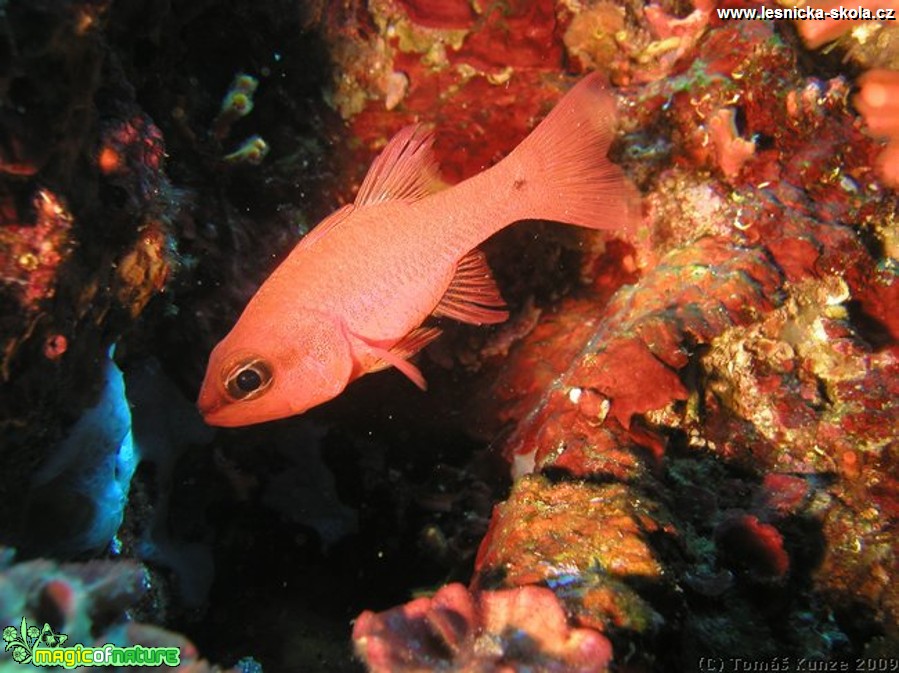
260 373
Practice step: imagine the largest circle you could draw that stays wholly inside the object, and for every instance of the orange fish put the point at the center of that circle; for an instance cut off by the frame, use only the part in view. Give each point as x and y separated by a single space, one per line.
354 294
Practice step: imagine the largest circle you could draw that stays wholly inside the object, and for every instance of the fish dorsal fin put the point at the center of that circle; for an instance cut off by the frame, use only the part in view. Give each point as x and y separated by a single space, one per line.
406 169
472 295
403 349
326 225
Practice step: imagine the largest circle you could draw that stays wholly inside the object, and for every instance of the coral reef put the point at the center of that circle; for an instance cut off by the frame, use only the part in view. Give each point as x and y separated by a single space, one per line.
115 181
507 630
872 45
878 102
85 242
680 446
87 603
711 409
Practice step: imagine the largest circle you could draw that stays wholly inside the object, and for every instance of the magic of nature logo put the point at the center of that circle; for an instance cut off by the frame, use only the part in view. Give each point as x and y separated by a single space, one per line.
43 647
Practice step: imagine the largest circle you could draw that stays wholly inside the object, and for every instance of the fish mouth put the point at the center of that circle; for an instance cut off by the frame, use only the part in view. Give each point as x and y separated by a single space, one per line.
209 405
224 416
215 414
208 412
219 413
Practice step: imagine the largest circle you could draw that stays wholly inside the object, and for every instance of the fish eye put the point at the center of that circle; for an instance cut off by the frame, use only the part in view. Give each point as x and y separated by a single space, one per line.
248 379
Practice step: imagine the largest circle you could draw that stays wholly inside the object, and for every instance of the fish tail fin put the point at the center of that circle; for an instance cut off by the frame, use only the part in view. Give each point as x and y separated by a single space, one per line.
560 171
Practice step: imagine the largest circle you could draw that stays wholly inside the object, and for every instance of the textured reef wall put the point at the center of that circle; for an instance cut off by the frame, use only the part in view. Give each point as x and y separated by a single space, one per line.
702 434
680 449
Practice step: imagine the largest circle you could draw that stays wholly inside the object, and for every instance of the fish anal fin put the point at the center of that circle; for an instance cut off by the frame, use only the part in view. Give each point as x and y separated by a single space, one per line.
405 169
415 340
405 348
472 295
326 225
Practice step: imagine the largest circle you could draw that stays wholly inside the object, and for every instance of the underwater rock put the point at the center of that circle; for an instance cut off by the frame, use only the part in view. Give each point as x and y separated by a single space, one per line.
303 489
755 545
90 604
646 50
818 32
75 598
803 379
508 630
400 63
738 389
699 418
874 46
100 101
583 541
31 252
85 481
878 102
585 403
166 424
85 243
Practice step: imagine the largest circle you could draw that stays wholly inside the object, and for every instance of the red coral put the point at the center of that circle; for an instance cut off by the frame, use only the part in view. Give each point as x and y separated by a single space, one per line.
731 151
522 34
502 631
677 36
627 384
440 62
31 253
750 326
444 14
628 351
758 547
878 102
132 153
581 539
783 493
820 31
55 346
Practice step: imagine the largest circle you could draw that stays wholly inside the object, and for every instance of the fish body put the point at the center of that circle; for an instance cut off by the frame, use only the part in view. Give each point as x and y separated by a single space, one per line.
352 296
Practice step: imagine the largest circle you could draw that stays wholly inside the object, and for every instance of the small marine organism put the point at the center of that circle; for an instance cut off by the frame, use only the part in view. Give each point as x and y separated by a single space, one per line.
251 151
354 294
237 103
55 346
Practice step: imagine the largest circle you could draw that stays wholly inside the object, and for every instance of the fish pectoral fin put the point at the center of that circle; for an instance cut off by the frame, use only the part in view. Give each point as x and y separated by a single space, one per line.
406 169
326 225
405 348
472 295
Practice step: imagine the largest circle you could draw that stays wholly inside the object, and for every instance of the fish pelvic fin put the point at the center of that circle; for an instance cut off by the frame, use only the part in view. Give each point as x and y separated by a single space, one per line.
406 169
561 172
398 355
472 295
